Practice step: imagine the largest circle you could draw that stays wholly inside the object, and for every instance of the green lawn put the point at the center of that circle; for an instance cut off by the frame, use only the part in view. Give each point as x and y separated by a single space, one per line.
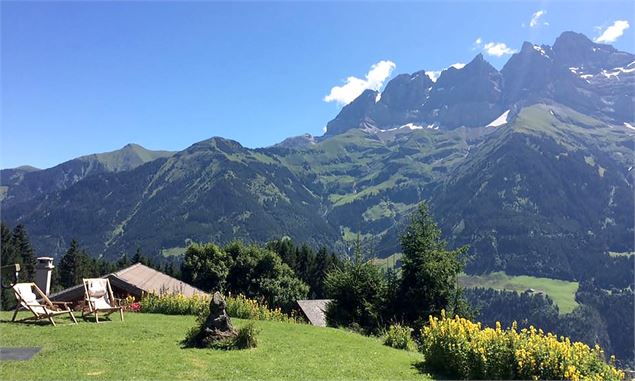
146 346
562 292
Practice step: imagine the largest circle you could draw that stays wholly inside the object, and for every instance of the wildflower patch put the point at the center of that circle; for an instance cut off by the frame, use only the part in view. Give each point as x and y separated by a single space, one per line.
464 350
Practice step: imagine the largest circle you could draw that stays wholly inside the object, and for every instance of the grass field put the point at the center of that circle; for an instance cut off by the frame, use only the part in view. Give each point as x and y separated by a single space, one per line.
627 254
388 262
562 292
147 346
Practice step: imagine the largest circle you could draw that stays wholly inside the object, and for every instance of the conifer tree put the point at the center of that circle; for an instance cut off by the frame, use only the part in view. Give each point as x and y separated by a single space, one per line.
74 266
123 262
24 252
429 272
140 258
7 257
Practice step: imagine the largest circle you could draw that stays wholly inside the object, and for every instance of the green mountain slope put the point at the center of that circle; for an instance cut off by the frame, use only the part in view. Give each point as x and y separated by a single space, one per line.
547 194
24 183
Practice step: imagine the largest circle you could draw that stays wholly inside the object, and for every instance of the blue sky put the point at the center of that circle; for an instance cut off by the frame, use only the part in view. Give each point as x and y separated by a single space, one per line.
86 77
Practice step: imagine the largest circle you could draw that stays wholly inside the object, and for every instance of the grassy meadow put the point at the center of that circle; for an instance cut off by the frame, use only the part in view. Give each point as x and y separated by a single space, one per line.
147 346
562 292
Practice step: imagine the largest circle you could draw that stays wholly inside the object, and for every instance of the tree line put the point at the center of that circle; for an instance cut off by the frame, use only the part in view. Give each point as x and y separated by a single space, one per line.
69 270
278 273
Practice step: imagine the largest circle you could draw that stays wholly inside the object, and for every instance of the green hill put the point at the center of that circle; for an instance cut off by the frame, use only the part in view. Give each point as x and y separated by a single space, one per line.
147 346
546 195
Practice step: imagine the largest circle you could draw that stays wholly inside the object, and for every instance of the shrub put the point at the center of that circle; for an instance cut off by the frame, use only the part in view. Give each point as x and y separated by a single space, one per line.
178 304
247 337
399 336
464 350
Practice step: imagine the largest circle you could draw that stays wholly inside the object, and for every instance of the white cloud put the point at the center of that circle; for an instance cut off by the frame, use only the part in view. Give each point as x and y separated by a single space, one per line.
354 86
434 74
535 19
497 49
613 32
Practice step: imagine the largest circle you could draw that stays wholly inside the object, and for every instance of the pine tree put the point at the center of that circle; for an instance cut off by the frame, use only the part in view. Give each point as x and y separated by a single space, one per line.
24 252
139 257
123 262
7 257
357 290
429 272
74 266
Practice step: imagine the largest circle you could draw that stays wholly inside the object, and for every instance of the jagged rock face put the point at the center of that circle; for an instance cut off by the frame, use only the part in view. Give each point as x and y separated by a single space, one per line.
469 96
527 74
406 92
354 114
575 49
402 101
595 79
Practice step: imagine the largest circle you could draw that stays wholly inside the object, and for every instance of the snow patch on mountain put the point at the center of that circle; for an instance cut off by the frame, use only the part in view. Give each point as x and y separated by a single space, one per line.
412 127
615 72
540 50
502 119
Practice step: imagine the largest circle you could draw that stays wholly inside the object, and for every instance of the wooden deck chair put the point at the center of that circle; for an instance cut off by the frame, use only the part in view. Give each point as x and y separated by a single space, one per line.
98 298
28 300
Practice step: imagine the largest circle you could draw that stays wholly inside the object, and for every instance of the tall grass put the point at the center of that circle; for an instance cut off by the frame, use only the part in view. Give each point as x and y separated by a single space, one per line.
239 307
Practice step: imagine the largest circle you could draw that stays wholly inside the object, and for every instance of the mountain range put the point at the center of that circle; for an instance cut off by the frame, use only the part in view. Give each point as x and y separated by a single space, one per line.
530 165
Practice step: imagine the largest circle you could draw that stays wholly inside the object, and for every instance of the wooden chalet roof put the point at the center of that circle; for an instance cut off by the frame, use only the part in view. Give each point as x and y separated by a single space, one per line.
315 310
136 279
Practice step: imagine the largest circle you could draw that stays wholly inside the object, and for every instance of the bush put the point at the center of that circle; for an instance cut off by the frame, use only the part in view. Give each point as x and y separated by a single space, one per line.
239 307
399 336
247 337
464 350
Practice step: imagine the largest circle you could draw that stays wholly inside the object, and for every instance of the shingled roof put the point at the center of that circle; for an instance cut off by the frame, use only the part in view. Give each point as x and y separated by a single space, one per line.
314 310
136 280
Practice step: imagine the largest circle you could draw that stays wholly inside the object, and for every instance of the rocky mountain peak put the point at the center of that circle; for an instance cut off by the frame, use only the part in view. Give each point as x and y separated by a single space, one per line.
353 114
576 72
406 91
576 50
